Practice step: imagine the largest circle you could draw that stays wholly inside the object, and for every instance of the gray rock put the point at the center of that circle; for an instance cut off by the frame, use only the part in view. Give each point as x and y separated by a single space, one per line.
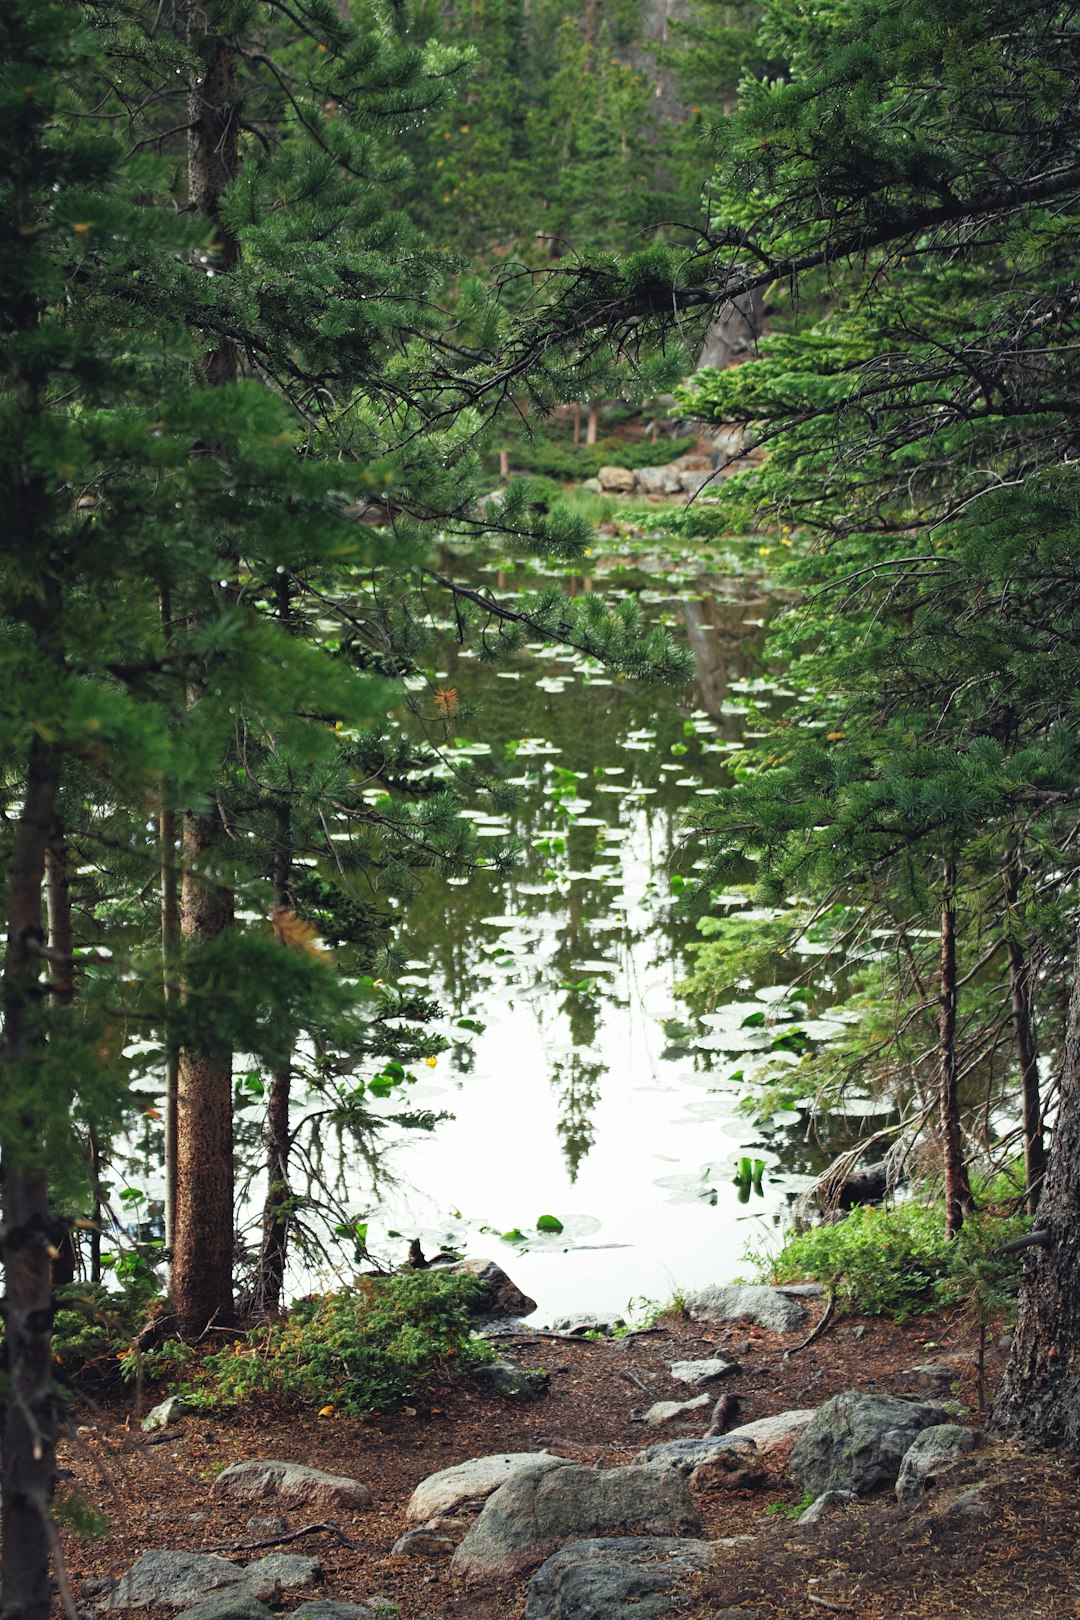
699 1374
175 1580
538 1509
165 1414
855 1442
827 1502
777 1309
424 1542
469 1484
267 1524
934 1375
592 485
659 480
931 1454
235 1603
327 1609
738 1614
727 1453
775 1437
281 1572
511 1382
579 1325
662 1413
627 1578
500 1296
971 1504
258 1481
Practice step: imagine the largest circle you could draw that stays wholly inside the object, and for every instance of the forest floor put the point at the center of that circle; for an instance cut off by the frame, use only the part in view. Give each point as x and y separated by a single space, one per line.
874 1560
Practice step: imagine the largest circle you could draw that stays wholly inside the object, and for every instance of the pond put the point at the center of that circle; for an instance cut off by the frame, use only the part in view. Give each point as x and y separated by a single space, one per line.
581 1087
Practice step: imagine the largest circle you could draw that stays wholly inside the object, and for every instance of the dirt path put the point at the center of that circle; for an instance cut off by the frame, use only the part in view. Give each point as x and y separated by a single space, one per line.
1015 1557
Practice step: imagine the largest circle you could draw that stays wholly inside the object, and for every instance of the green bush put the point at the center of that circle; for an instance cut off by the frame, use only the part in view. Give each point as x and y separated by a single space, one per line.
895 1262
558 459
361 1350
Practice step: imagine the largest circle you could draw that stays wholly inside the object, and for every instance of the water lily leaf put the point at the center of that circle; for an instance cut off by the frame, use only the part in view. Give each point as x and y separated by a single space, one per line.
549 1223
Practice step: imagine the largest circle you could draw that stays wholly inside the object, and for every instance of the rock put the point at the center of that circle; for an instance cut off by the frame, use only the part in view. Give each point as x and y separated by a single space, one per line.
328 1609
235 1603
777 1309
618 480
827 1502
970 1504
164 1414
181 1580
933 1375
592 485
267 1524
659 480
538 1509
579 1325
511 1382
280 1572
775 1437
469 1484
423 1543
700 1373
728 1452
176 1580
855 1442
662 1413
501 1327
931 1454
626 1578
257 1481
500 1296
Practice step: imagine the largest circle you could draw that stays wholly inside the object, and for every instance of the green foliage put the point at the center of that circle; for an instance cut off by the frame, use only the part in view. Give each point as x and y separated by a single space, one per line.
896 1262
361 1350
94 1326
556 459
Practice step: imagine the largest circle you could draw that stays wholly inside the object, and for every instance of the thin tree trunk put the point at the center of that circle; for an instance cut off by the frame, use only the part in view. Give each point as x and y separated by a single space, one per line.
62 994
29 1233
958 1200
592 424
170 987
201 1278
270 1277
1040 1393
1027 1053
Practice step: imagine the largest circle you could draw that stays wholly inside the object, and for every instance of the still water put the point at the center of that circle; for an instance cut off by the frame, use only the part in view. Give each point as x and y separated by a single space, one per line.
582 1086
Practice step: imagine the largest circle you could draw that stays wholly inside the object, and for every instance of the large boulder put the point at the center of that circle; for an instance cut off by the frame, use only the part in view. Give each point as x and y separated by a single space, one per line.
775 1437
659 480
266 1479
469 1484
616 480
933 1453
181 1580
778 1309
499 1297
625 1578
855 1442
234 1603
539 1509
700 1374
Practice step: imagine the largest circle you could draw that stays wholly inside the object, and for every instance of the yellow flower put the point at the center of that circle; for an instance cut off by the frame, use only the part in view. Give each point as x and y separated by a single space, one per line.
431 1062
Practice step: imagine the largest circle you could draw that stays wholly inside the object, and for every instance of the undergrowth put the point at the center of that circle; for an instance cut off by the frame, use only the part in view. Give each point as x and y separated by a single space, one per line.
896 1262
362 1350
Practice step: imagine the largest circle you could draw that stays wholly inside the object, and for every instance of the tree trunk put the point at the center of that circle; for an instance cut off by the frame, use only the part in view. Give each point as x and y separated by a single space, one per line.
201 1278
170 942
1027 1055
1040 1394
29 1234
958 1200
201 1284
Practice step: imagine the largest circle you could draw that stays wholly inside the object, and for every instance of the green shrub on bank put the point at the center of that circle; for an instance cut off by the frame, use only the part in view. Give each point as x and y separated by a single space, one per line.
361 1350
895 1261
556 459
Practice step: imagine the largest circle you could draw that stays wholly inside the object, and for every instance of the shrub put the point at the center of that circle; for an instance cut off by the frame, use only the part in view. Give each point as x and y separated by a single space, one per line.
360 1351
560 460
895 1262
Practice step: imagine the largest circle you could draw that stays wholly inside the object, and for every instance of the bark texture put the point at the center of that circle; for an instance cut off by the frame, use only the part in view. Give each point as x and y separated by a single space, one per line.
1027 1052
201 1279
1040 1394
